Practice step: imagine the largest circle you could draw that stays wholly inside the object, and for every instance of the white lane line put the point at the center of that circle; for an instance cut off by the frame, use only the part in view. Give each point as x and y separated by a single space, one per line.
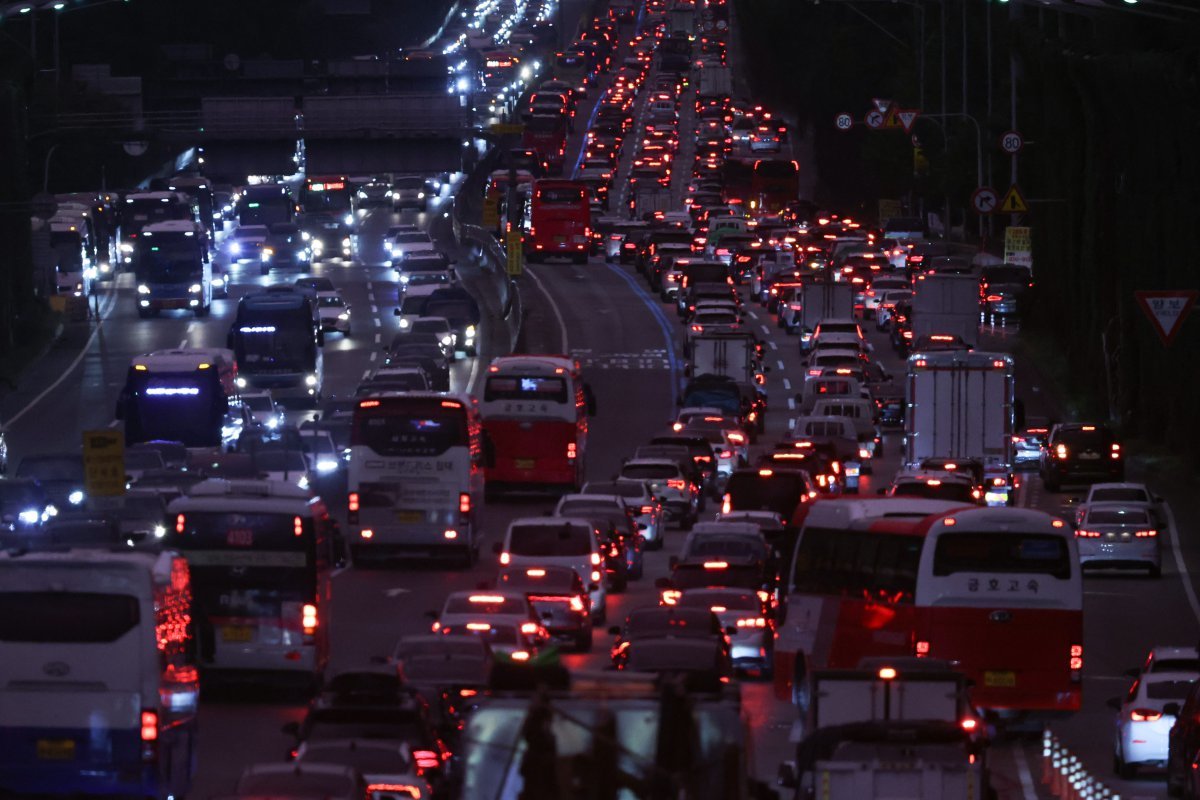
792 405
378 324
374 308
773 345
114 423
780 364
183 343
791 424
766 331
366 374
787 384
378 338
474 373
1027 789
750 313
562 325
374 355
1183 570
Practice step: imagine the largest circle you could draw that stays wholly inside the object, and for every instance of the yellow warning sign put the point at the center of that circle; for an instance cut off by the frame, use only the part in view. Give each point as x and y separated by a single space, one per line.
491 212
516 255
1013 202
104 463
892 120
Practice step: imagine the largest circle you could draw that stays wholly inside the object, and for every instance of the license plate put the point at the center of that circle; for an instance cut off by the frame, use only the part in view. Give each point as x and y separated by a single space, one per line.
236 633
560 239
1089 456
410 516
524 463
56 749
1000 680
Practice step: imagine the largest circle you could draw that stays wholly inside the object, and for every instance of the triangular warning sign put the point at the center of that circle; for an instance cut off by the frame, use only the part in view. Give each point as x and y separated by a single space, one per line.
881 105
907 117
1167 310
891 120
1013 202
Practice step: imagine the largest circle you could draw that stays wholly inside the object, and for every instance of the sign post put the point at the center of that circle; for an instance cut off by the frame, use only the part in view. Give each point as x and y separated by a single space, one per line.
1167 310
1014 202
104 463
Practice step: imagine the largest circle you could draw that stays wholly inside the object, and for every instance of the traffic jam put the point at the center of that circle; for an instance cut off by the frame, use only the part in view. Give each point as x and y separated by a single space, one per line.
849 561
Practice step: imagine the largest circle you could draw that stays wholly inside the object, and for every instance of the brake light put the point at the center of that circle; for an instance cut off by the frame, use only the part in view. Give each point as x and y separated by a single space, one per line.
647 509
994 298
297 526
1076 661
613 552
1060 451
1146 534
737 438
367 533
969 724
671 596
149 726
485 598
716 565
402 789
352 505
529 628
425 759
596 559
676 483
180 523
752 622
1116 451
1082 534
464 503
922 649
536 573
577 604
1144 715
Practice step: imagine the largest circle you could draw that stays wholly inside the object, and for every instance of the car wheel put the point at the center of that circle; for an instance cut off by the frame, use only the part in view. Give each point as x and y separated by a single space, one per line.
1125 771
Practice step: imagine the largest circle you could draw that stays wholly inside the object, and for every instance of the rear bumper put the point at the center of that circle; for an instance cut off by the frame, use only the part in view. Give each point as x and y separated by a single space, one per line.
24 770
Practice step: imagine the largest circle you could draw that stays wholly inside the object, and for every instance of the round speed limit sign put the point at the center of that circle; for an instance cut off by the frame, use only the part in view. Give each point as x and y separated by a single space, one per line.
1011 142
843 121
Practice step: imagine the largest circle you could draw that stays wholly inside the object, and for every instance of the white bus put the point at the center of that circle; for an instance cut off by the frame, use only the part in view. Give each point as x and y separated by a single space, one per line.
98 690
1000 592
416 475
261 554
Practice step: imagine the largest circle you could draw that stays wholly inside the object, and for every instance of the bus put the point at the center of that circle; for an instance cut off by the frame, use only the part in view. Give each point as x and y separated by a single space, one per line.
559 222
1000 593
774 184
261 554
571 67
97 679
535 411
277 340
178 395
416 475
327 194
68 253
547 135
173 269
201 192
850 589
140 209
265 204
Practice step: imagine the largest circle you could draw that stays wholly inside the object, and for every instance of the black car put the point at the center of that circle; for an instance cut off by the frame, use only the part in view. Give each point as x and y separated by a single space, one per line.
60 476
428 357
1081 453
458 307
285 248
328 235
24 506
658 622
559 598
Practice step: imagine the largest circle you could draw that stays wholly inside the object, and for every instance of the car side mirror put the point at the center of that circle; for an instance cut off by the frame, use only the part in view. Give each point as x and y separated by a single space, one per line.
1114 703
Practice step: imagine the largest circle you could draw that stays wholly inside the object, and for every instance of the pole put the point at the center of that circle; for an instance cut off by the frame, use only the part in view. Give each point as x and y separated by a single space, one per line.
921 53
946 223
988 38
1014 16
965 40
57 81
46 167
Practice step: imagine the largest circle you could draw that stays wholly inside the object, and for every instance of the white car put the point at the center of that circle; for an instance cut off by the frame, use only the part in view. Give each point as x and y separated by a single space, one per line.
421 277
288 466
262 408
1169 658
322 454
487 606
333 312
403 244
873 296
246 243
1144 720
646 509
1129 495
1119 535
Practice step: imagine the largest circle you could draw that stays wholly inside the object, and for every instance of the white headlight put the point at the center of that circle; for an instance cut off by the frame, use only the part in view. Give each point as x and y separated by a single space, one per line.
273 422
302 482
404 277
305 235
327 465
404 323
29 516
194 288
75 497
349 219
310 380
159 531
241 383
126 247
218 282
420 195
470 331
143 289
235 248
447 340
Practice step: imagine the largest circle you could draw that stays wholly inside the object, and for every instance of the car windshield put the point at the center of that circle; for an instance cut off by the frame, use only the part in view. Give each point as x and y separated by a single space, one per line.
1175 665
1122 495
257 402
721 601
550 540
251 232
416 237
1168 690
280 461
1117 516
935 490
483 604
331 302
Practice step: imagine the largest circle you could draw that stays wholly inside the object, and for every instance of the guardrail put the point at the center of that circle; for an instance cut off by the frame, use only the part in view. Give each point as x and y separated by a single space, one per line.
1064 775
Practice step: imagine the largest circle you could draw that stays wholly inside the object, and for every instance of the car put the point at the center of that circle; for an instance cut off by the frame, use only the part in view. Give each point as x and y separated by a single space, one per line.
333 313
285 248
315 284
321 451
381 764
430 357
447 672
935 485
1144 719
1028 442
1000 289
142 516
411 191
374 194
328 235
440 327
1080 453
1183 742
666 479
749 621
558 542
1113 534
406 243
493 607
560 598
59 475
646 508
288 781
660 622
282 464
506 640
623 540
246 243
1129 495
24 506
424 273
262 408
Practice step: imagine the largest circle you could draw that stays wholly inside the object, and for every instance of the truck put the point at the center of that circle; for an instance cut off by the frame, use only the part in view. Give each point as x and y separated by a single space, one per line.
715 83
820 301
681 20
731 354
946 305
891 728
960 406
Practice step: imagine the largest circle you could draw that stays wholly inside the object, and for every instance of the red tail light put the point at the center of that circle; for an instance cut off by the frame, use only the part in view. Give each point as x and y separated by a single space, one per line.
464 503
969 724
425 760
1076 662
752 622
352 507
676 483
402 789
308 619
726 504
149 726
297 526
1082 534
922 649
1146 534
505 558
577 604
596 559
1144 715
180 523
647 509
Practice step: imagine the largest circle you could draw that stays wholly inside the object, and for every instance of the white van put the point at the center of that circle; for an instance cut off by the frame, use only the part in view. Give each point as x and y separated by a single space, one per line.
859 410
98 689
823 386
558 542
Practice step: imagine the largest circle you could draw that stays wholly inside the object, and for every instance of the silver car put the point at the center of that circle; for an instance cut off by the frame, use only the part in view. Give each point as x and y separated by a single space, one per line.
1119 535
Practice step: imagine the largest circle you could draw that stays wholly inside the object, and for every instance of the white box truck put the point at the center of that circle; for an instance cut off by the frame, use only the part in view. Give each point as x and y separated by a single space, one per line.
820 301
946 305
714 82
960 406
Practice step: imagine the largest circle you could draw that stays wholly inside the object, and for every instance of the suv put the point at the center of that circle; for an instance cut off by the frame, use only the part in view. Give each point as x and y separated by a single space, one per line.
1079 453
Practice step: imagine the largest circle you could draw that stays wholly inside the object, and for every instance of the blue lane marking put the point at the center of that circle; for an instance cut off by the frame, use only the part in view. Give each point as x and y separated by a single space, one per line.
582 148
657 312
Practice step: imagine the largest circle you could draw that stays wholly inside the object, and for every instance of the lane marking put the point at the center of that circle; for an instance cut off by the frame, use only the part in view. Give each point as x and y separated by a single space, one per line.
792 405
366 374
766 331
787 384
1183 570
780 364
1027 789
750 313
374 308
378 338
474 372
791 424
378 324
773 345
562 325
374 355
656 312
183 343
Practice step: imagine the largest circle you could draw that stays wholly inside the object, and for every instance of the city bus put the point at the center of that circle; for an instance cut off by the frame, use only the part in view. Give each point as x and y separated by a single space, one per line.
774 184
559 222
571 67
327 194
416 475
850 589
98 684
535 411
1000 593
261 554
178 395
265 204
140 209
276 339
173 269
201 192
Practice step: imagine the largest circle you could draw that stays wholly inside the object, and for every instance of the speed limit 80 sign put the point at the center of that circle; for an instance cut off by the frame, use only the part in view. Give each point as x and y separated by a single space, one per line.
1011 142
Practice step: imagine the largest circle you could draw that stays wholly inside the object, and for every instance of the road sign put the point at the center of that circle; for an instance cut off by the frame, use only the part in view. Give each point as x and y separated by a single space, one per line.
1018 246
514 248
875 119
881 105
1011 142
43 205
891 120
104 463
507 128
1013 202
984 200
843 121
907 117
1167 310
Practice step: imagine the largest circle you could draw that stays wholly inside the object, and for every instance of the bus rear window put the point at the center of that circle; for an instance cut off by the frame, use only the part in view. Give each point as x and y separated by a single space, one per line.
1026 553
561 196
524 387
858 564
550 540
779 492
66 617
410 433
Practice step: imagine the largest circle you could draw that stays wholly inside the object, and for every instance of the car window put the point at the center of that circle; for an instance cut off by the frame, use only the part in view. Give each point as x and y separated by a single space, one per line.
550 540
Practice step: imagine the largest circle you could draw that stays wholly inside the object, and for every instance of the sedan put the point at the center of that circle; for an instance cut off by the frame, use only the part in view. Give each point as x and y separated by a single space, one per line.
653 623
333 312
247 242
1119 535
743 612
1144 720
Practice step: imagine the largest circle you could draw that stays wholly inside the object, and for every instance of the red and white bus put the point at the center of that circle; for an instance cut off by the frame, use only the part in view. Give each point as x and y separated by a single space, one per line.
415 480
850 589
560 221
535 412
1000 592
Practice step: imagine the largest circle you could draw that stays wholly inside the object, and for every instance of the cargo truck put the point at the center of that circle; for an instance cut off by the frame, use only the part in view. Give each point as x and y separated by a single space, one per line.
946 305
820 301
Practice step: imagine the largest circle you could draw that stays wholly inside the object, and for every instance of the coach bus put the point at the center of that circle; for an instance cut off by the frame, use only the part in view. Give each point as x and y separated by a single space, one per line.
560 221
261 554
416 476
535 411
277 341
177 395
774 184
1000 592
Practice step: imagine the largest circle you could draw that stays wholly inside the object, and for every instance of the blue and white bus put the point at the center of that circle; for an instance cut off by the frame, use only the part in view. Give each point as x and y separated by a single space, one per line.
173 268
276 339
